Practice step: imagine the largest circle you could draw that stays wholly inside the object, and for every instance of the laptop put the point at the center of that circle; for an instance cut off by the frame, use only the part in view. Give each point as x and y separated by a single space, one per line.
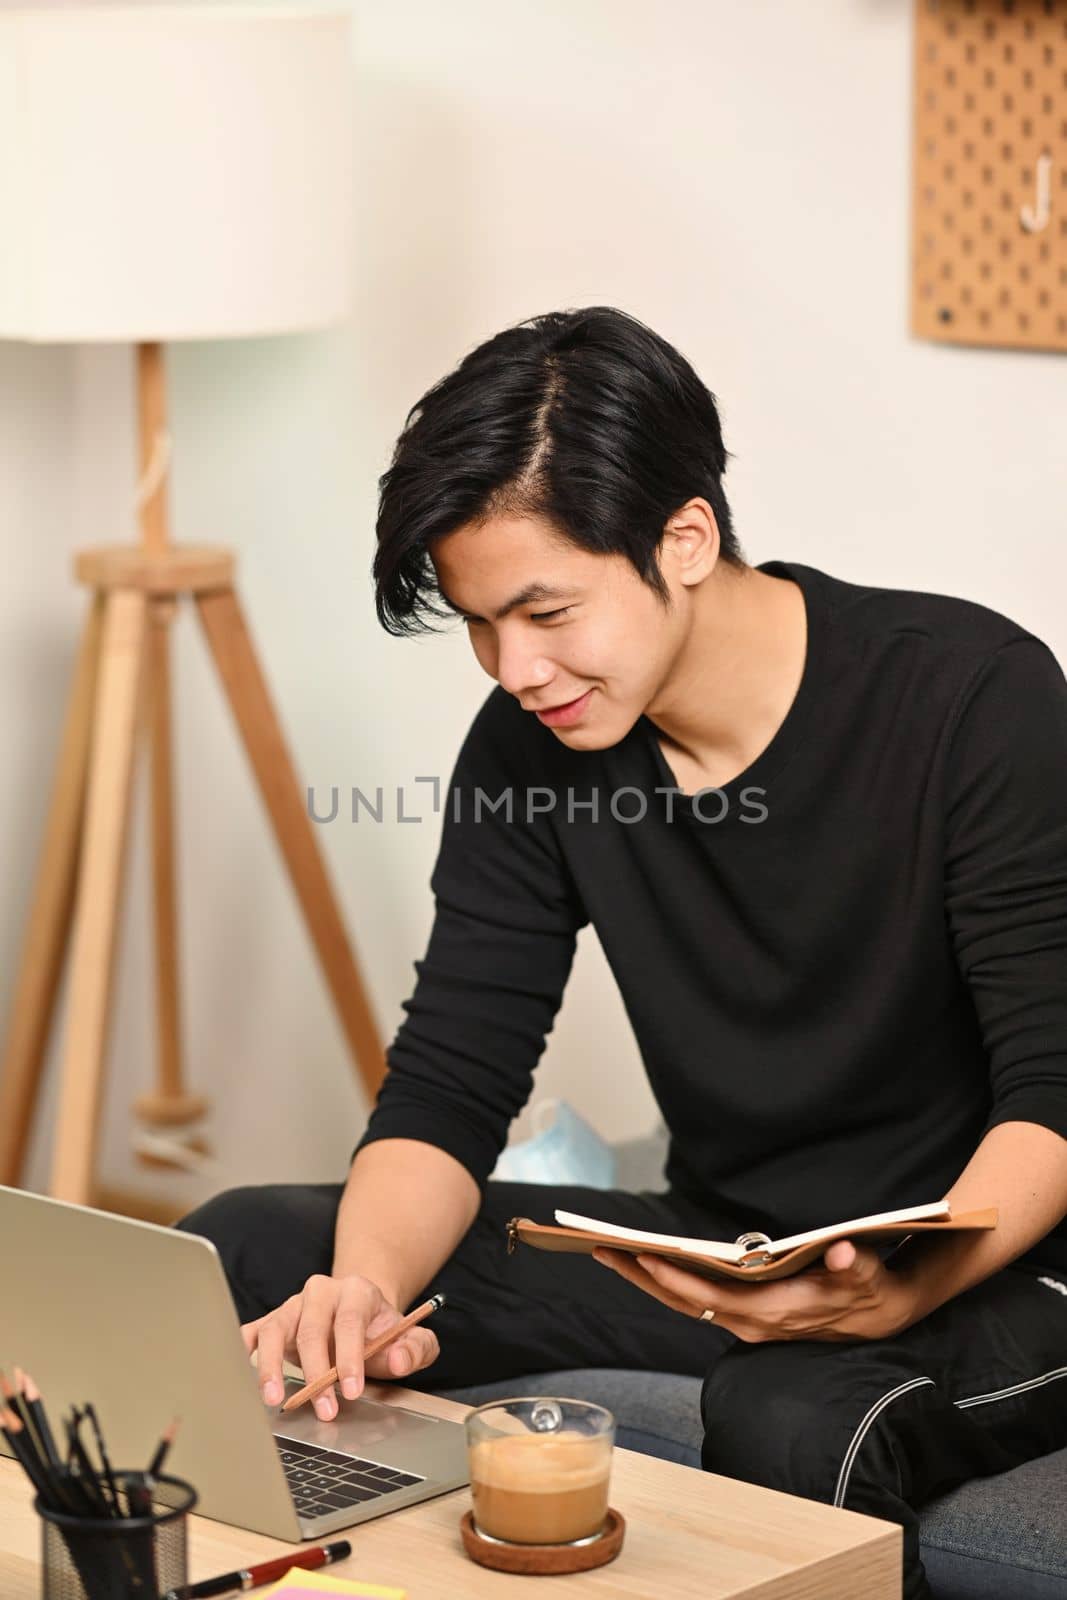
138 1320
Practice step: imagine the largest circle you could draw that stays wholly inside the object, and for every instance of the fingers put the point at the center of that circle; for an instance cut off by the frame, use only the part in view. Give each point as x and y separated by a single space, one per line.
329 1324
692 1295
417 1348
357 1307
275 1333
840 1300
636 1272
363 1315
250 1332
698 1294
856 1267
313 1339
694 1291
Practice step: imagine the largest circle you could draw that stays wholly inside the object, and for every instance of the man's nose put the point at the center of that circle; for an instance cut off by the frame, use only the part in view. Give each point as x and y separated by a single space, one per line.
520 669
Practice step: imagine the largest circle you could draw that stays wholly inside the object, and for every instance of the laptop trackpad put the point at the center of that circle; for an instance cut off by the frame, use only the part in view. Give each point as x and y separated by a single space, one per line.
391 1434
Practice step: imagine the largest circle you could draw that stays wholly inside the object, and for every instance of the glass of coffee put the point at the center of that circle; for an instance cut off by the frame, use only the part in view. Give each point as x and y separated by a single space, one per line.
540 1470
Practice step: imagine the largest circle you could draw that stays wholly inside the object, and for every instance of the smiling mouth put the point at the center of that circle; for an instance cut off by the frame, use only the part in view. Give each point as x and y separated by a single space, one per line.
562 706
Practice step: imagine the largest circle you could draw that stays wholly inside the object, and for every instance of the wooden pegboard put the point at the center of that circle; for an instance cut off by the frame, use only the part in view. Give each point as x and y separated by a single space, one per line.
990 148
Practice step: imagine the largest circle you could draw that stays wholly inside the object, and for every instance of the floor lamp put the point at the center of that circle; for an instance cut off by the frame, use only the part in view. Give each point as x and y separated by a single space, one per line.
167 173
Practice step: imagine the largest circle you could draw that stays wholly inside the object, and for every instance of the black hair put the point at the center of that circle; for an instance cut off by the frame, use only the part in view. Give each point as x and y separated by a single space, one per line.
584 418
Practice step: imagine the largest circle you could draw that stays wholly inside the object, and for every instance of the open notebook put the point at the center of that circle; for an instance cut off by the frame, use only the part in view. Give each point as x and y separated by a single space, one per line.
751 1256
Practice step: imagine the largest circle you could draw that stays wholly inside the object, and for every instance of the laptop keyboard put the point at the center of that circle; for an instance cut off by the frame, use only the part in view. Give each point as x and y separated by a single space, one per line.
322 1481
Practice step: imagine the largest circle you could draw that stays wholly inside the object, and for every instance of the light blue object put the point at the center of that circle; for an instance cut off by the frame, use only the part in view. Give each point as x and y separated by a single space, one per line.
563 1149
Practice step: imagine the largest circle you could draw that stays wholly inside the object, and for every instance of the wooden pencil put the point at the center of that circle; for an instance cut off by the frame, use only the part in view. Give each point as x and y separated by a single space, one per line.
311 1391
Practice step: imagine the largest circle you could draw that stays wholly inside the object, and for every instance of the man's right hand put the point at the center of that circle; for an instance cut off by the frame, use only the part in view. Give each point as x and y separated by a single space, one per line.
328 1324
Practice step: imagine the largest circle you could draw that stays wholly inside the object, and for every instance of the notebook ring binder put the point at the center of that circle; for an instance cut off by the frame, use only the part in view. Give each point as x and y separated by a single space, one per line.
753 1256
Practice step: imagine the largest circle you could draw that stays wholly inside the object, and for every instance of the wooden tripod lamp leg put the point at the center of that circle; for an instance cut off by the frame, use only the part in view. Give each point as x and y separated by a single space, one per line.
249 697
165 893
170 1105
98 891
49 925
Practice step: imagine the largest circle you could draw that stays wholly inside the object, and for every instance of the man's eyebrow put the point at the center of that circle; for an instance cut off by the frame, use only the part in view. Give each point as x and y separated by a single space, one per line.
532 591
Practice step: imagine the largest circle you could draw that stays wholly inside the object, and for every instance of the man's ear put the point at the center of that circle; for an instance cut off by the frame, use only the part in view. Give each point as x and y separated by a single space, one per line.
690 545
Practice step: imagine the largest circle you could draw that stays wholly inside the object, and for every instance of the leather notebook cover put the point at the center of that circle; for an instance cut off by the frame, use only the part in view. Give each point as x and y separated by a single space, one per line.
757 1266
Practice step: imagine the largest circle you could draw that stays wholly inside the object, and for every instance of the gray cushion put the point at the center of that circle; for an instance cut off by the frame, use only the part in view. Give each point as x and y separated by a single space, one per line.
1000 1538
1014 1523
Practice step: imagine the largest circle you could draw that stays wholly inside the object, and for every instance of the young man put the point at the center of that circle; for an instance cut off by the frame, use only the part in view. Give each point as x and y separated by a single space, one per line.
821 832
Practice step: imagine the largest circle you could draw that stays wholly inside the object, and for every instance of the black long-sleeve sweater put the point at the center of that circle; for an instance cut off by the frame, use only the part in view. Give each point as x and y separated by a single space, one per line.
841 969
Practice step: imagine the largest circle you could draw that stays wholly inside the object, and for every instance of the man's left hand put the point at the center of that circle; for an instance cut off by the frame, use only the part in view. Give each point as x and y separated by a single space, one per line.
852 1296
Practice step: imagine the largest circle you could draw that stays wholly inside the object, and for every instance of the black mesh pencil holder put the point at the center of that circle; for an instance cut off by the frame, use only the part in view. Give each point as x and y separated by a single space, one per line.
119 1558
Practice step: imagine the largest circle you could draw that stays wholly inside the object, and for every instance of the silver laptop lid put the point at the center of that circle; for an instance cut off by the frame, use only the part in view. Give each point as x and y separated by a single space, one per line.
139 1320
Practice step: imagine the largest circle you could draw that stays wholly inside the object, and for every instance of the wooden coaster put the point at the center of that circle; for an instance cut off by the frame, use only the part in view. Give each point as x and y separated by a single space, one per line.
545 1559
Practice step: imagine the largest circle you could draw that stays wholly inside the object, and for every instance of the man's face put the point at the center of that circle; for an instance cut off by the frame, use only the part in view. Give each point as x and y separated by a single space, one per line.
590 637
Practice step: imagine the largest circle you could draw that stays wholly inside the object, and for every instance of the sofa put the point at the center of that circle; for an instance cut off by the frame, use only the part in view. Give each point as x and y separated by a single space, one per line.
999 1538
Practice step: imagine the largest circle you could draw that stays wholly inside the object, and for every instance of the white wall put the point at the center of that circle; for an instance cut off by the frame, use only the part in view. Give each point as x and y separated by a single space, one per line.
738 177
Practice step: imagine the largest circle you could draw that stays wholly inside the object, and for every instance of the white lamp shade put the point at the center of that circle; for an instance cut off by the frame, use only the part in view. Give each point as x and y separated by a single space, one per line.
174 172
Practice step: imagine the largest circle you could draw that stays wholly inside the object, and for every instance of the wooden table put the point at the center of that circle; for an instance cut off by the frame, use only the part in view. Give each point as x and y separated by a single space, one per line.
690 1536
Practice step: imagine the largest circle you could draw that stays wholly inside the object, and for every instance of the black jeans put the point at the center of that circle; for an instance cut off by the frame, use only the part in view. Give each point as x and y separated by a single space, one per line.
878 1426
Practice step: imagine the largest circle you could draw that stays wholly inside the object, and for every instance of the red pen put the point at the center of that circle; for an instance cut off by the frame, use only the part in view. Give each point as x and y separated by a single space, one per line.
266 1572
